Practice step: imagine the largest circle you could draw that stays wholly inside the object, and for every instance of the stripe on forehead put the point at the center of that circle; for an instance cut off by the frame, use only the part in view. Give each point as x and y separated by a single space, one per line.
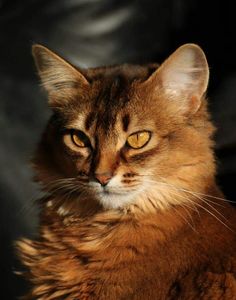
112 98
125 122
89 121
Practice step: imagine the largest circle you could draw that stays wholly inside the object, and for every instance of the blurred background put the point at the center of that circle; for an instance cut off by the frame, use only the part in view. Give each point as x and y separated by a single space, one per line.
93 33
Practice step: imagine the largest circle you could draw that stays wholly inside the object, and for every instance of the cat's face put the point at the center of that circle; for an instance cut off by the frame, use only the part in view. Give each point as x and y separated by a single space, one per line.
123 134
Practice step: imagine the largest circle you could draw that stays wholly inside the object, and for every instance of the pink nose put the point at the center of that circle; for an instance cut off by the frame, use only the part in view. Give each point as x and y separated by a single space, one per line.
103 178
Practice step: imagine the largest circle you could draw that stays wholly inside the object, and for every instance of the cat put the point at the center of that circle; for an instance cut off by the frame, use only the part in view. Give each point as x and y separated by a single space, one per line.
132 209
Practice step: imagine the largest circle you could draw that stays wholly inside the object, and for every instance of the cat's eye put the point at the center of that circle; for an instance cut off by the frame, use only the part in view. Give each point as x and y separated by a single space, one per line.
80 139
139 139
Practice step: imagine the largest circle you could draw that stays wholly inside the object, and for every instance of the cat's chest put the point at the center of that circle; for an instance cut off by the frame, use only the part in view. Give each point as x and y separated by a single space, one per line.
125 254
138 247
110 259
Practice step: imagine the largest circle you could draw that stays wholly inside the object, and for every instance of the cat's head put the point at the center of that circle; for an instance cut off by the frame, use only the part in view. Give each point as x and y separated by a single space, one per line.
126 134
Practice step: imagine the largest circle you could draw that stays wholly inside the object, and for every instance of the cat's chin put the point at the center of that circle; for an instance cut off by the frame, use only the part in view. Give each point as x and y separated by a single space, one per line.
112 200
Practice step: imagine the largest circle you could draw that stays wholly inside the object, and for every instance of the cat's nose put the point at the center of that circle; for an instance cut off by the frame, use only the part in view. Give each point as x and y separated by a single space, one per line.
103 178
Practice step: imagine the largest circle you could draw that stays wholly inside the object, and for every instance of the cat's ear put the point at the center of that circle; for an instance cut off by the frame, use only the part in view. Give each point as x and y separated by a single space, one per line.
60 79
183 77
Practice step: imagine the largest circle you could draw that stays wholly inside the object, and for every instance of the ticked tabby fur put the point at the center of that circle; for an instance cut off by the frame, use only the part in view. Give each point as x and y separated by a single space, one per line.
132 209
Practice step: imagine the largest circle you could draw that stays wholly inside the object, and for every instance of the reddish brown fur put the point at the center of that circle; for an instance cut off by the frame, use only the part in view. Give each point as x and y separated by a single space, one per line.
156 247
132 257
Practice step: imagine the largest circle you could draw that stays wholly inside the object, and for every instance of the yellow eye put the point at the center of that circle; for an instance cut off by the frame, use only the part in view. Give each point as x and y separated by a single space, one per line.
139 139
80 139
77 141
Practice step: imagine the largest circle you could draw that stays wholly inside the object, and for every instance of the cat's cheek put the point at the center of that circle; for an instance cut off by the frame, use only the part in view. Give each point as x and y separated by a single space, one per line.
70 162
82 166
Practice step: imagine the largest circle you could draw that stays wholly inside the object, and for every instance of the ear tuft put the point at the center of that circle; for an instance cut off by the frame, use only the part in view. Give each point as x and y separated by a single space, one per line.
59 78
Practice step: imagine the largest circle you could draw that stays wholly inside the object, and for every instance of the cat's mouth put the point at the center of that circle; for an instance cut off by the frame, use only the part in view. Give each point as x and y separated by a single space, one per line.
108 191
113 195
114 198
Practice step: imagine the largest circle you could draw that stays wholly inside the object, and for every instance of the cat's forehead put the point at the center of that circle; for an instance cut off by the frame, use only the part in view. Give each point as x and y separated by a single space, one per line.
111 109
130 72
112 99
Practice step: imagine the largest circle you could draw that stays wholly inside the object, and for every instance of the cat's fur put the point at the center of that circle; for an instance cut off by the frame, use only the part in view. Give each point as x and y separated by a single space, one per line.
160 228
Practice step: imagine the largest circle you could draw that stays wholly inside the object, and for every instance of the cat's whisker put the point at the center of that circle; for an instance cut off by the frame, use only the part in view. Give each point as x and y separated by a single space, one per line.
196 203
211 206
66 185
195 194
69 196
187 201
186 207
202 199
59 181
70 192
198 193
192 207
211 201
62 189
55 187
206 201
30 205
187 222
211 213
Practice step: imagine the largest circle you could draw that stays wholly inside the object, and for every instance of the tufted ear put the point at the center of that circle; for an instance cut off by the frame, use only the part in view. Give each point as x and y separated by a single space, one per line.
183 77
60 79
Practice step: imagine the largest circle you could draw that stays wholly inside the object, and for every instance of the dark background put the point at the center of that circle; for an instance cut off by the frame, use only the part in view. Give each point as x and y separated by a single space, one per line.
93 33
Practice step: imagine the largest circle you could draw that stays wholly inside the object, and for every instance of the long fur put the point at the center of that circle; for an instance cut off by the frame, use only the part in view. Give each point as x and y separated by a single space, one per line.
161 228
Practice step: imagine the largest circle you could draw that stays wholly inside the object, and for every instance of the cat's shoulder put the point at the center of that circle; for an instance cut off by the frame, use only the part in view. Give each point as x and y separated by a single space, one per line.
208 283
